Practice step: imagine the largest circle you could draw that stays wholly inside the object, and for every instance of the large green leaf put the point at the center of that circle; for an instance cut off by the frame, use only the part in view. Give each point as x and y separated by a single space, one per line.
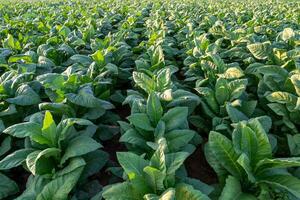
119 191
155 178
184 98
15 159
210 98
7 186
64 126
34 186
260 50
141 120
154 108
85 97
133 137
177 139
282 97
265 149
79 146
245 163
58 108
268 163
224 152
132 163
52 80
158 159
163 79
49 128
221 91
198 185
286 182
175 117
2 126
294 144
95 161
233 191
169 194
296 82
234 114
184 192
25 96
274 71
5 145
82 59
245 140
215 163
41 162
174 161
144 81
23 130
60 187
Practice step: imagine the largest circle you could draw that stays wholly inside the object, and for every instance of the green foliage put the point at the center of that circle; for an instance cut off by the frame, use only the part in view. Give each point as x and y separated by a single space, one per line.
152 179
55 153
149 123
155 80
247 162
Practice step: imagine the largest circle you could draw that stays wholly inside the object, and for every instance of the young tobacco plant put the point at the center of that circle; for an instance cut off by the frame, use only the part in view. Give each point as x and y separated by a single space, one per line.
225 101
152 60
153 179
247 164
160 83
16 94
57 156
73 95
281 90
149 123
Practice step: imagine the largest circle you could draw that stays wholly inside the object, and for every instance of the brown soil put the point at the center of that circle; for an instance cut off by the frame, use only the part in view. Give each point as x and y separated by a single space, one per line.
111 147
123 111
198 168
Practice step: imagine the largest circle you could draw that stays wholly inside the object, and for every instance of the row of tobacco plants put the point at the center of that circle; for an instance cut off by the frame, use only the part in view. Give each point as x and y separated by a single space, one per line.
158 82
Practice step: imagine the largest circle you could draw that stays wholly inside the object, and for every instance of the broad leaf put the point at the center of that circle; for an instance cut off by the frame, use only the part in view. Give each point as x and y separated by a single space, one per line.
175 117
15 159
23 130
233 191
177 139
259 50
224 152
5 145
61 186
25 96
141 120
154 108
79 146
184 192
120 191
42 162
155 178
132 163
7 186
286 182
144 81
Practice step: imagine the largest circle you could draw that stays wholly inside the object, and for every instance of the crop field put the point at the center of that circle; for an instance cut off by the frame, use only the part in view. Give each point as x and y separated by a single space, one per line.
150 100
